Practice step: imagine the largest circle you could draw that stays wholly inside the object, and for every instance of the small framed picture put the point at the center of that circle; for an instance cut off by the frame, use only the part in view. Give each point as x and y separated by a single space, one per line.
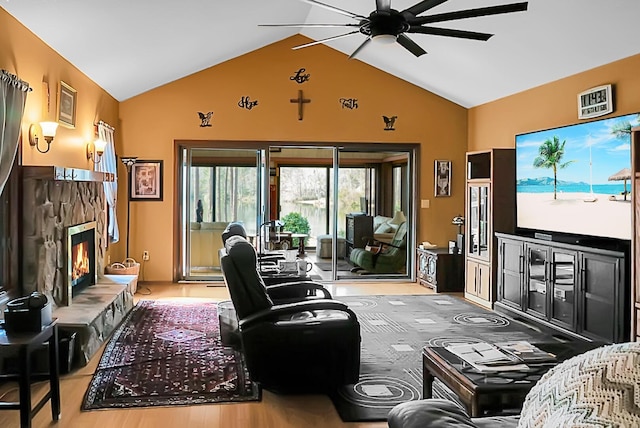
67 99
443 178
145 183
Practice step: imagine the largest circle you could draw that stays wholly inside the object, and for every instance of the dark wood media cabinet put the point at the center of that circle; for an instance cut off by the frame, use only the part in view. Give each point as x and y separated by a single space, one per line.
581 291
440 270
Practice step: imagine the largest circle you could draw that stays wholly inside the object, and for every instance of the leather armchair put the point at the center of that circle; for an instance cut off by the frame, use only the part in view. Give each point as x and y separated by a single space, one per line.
312 345
391 257
237 229
286 290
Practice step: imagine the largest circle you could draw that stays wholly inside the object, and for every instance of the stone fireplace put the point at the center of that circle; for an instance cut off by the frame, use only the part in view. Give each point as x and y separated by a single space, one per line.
63 220
57 201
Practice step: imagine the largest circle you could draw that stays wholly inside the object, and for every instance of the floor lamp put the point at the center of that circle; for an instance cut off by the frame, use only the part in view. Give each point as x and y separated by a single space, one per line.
128 162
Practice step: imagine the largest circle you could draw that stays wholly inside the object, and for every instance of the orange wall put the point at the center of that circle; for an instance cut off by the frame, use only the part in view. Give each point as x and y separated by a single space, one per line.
555 104
147 125
24 54
152 121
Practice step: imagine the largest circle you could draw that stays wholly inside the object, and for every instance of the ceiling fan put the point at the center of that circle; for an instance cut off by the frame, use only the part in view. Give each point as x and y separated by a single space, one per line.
389 25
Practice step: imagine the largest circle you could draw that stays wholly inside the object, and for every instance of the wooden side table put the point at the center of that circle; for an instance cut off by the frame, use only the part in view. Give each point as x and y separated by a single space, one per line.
301 237
440 270
23 346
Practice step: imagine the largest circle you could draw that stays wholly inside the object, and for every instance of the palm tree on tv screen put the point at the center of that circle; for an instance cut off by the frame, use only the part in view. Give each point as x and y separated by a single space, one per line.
622 129
550 154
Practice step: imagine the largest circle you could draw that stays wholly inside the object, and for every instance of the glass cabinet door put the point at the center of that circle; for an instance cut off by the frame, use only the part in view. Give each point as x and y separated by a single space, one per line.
563 281
483 223
537 260
478 215
472 216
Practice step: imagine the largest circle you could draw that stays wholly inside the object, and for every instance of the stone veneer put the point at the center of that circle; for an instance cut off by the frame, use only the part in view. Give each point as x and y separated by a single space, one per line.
95 313
49 208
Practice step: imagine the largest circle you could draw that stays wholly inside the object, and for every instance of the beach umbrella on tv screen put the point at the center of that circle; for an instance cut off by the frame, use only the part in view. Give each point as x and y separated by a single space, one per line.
623 174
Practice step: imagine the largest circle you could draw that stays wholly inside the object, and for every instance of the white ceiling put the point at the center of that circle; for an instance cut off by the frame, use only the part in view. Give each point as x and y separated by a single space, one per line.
131 46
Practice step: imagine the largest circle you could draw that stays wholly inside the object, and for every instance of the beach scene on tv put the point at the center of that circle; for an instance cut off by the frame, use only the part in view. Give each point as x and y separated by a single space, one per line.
577 179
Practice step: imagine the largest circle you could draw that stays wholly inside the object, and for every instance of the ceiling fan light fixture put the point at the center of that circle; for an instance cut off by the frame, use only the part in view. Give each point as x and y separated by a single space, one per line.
387 26
384 39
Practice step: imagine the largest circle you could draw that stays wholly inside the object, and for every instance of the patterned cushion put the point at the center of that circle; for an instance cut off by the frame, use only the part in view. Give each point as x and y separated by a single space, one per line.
600 388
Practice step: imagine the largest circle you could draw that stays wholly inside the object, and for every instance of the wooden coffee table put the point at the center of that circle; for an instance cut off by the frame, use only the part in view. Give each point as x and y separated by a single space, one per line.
490 393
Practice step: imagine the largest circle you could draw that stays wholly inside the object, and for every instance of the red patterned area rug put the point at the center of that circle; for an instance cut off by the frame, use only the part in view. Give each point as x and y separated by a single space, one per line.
169 353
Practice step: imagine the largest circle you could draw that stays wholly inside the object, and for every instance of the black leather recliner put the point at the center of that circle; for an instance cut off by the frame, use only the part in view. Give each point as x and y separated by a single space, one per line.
311 345
284 290
237 229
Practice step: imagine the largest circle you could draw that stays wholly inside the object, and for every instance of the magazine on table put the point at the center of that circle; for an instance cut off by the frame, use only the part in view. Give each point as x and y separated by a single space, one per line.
526 352
486 357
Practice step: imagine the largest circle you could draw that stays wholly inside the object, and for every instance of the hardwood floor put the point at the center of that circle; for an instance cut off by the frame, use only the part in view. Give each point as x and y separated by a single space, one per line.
274 411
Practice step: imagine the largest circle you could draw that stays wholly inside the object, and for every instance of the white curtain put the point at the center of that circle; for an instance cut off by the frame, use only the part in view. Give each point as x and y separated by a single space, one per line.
13 95
108 164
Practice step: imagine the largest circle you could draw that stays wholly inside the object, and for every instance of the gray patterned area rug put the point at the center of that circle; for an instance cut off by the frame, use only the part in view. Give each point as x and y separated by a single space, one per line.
394 330
169 353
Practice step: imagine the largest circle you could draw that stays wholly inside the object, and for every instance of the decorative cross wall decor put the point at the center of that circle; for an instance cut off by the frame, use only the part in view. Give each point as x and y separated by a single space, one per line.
300 101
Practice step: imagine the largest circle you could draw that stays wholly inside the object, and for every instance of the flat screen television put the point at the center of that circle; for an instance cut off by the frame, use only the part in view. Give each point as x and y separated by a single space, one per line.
576 180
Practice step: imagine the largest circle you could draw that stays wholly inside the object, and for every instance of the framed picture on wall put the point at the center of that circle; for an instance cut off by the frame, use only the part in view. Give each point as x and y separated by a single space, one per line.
145 183
442 178
67 99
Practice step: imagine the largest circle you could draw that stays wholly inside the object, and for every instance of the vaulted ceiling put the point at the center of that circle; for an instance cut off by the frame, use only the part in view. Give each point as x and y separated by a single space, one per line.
129 47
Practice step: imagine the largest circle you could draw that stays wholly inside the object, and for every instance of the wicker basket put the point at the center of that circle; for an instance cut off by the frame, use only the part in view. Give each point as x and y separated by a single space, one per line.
128 267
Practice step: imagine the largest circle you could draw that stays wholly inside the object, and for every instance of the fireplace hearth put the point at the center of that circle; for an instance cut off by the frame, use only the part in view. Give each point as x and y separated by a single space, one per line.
81 259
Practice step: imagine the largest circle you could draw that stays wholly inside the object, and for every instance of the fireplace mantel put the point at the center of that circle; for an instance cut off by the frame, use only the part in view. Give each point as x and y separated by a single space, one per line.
60 173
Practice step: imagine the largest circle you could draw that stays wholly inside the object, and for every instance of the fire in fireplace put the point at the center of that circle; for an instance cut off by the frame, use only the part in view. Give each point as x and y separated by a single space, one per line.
79 261
81 256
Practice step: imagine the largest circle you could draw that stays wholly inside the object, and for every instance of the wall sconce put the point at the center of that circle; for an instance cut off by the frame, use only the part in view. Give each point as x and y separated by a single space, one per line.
45 129
95 150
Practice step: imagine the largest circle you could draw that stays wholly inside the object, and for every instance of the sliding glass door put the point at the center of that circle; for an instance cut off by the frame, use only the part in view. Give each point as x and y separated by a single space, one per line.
220 186
376 212
337 200
372 185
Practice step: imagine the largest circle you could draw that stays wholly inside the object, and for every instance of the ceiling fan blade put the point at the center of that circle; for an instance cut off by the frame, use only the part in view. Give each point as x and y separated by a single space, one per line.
308 25
418 8
317 42
359 48
335 9
461 34
410 45
383 5
470 13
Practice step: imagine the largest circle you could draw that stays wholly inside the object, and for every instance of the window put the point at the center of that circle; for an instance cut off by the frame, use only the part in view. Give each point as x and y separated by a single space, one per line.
398 187
307 190
226 193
